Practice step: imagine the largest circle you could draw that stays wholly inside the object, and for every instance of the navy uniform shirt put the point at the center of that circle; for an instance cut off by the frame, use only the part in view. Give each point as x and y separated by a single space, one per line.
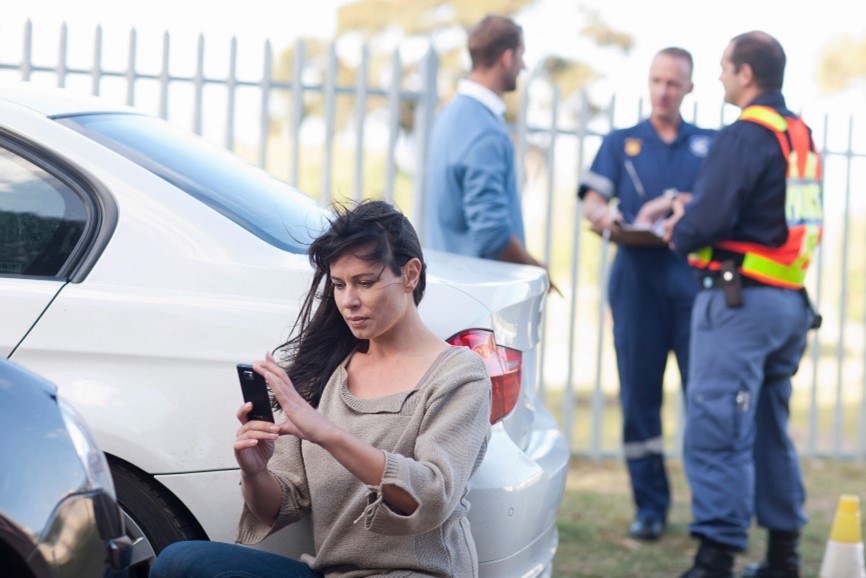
740 191
635 165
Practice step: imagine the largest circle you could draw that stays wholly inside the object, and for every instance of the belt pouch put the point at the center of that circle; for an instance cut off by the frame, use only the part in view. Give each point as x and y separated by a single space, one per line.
731 284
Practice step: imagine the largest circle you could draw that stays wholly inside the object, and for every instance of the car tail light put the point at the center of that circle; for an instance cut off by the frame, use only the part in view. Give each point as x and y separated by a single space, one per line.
503 364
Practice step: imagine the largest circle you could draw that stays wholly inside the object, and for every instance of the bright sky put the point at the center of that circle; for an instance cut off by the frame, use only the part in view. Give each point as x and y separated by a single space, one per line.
551 26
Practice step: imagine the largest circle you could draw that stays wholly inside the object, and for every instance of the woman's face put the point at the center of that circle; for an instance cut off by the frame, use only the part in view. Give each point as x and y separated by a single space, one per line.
371 298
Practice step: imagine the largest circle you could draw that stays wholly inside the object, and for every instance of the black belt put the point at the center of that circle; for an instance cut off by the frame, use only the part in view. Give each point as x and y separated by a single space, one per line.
713 280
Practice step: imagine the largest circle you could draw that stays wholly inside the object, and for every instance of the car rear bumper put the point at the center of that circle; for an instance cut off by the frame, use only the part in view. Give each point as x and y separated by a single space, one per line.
513 513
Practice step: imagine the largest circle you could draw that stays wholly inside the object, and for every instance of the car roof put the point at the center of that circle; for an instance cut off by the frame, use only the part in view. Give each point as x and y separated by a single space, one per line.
55 101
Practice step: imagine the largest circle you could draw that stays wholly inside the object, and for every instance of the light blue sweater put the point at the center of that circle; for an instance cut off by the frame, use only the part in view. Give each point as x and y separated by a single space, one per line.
472 205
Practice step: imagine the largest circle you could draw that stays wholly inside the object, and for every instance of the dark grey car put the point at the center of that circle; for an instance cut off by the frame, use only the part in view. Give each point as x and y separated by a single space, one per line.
58 511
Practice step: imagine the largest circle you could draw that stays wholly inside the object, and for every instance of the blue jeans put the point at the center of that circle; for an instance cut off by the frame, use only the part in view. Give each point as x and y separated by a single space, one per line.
202 559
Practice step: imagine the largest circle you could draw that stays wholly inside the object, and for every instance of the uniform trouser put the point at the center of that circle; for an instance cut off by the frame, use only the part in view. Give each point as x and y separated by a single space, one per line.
651 294
738 456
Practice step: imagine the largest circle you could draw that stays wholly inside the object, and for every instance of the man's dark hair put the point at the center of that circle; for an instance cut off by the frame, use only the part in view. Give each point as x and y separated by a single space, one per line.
678 52
492 36
764 55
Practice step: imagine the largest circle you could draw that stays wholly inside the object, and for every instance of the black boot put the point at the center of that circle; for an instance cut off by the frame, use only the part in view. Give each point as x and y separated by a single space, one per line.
713 560
783 557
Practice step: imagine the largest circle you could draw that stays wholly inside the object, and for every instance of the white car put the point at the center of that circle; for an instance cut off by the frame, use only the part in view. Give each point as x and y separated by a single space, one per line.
139 265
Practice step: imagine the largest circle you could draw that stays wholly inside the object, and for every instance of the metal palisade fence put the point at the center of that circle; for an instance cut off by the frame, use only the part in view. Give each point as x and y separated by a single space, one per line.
342 122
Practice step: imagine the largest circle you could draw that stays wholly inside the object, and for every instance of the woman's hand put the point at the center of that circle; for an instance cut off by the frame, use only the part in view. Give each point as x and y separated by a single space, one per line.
364 461
302 419
254 443
254 447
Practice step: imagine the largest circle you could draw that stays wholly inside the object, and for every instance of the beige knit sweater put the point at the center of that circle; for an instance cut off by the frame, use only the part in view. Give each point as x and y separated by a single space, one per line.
434 437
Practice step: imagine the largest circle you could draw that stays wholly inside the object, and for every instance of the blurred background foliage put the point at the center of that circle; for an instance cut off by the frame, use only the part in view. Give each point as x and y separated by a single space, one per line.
842 64
382 27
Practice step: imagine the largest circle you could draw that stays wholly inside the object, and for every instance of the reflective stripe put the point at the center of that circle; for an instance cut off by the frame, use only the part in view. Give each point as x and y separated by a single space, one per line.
766 269
766 116
651 447
701 258
599 183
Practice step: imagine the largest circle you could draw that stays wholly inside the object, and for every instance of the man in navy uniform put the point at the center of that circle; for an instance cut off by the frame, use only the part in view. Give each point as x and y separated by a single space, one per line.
644 168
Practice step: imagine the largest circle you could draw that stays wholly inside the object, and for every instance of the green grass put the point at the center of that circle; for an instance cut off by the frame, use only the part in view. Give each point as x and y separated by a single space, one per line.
597 510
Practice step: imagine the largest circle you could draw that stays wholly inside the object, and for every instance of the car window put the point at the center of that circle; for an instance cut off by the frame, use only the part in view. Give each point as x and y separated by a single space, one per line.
42 220
249 196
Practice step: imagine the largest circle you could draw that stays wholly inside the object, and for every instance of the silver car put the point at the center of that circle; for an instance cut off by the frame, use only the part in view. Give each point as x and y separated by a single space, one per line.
139 265
58 512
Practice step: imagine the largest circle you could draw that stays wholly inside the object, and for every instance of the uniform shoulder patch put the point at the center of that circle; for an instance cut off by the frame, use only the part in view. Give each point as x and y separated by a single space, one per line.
633 146
699 145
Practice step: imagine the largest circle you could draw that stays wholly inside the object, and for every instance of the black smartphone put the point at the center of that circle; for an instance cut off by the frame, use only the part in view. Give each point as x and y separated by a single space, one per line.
255 389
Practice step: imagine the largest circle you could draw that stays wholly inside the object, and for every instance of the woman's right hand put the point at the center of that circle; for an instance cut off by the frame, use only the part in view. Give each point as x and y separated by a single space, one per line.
254 443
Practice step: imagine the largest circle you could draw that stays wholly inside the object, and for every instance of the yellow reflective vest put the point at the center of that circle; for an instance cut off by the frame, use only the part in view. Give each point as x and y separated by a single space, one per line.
783 266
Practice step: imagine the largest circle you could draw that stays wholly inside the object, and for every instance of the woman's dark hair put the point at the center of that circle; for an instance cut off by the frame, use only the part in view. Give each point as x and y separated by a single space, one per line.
371 230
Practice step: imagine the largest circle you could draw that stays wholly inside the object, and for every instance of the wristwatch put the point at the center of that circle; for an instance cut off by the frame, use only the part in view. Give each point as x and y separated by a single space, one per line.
671 195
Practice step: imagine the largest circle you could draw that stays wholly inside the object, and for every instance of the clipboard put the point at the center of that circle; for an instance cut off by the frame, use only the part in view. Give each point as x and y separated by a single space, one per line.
637 235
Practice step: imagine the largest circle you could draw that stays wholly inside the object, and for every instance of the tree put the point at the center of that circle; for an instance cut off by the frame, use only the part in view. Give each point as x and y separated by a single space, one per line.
386 25
381 29
843 63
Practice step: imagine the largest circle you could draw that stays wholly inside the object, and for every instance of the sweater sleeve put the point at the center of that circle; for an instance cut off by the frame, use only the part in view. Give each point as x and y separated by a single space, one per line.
287 465
449 448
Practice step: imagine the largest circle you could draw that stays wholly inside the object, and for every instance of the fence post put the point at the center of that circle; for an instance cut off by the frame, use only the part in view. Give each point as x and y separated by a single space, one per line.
96 70
394 110
816 337
164 77
130 68
27 56
330 123
264 118
231 96
297 113
360 121
425 113
569 402
198 83
61 57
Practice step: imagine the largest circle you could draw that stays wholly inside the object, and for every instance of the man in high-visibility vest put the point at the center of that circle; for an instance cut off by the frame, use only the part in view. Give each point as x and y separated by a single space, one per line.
750 228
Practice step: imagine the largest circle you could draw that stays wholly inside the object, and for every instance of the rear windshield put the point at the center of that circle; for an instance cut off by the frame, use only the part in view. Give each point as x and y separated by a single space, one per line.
260 203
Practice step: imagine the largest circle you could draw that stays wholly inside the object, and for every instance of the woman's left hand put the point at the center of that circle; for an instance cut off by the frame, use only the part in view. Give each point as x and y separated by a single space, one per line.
302 419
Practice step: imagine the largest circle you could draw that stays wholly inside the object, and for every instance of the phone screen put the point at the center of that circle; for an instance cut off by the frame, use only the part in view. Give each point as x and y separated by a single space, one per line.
255 390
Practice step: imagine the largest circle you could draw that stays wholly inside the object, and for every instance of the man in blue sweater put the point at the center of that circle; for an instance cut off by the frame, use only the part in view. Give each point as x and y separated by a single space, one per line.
472 203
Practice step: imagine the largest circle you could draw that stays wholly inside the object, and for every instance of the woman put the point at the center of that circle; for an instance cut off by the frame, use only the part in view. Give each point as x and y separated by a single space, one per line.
384 424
